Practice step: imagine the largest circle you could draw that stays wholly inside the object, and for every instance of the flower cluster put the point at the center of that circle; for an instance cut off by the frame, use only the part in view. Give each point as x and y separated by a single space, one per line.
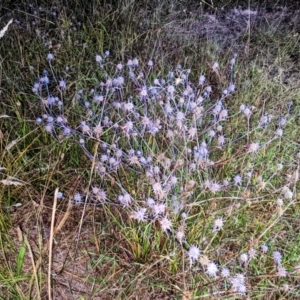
169 132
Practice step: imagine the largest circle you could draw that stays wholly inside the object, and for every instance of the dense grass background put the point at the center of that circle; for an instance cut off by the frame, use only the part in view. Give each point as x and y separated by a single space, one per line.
100 252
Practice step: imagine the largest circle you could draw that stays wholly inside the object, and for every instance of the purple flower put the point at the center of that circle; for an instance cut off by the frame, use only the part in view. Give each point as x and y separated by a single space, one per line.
277 256
193 253
212 269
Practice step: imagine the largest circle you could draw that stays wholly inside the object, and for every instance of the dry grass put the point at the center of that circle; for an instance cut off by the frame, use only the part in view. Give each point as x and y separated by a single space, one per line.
100 252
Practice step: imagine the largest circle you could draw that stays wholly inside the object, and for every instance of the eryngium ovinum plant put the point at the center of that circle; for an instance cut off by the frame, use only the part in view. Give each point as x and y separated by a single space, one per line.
165 139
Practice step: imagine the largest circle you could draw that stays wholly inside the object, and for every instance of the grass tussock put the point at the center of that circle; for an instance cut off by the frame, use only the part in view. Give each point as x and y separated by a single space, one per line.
141 163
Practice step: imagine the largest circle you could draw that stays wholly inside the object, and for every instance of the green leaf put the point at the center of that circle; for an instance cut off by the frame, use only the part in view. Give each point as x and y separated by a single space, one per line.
20 259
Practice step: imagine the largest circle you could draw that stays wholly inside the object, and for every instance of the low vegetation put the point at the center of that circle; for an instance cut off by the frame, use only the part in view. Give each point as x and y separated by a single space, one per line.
140 161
